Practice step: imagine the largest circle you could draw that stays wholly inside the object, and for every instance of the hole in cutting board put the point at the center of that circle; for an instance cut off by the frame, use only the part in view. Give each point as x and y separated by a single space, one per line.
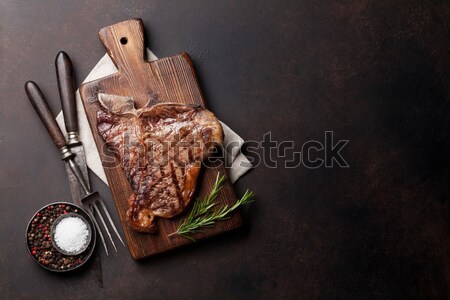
123 41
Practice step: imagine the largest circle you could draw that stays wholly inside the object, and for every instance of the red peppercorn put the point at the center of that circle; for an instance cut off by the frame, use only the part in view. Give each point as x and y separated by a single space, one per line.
38 214
45 228
34 252
65 212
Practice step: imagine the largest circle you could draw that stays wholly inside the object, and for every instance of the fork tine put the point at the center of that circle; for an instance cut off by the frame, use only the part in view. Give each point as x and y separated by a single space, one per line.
89 211
104 224
105 209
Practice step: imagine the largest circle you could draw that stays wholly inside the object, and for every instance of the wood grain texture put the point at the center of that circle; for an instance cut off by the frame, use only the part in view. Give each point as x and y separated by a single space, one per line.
170 79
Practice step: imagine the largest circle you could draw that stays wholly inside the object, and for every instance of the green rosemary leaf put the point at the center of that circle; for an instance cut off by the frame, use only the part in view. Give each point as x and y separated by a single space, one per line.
202 215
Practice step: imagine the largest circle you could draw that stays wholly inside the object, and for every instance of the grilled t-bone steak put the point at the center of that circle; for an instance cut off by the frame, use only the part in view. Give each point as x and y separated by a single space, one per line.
161 148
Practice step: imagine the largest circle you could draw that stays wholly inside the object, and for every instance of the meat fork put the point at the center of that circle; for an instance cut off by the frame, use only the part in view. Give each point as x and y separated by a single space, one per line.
93 200
90 200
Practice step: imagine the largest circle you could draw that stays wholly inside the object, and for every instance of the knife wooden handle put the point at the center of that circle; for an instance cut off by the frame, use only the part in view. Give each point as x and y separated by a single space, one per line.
66 86
40 105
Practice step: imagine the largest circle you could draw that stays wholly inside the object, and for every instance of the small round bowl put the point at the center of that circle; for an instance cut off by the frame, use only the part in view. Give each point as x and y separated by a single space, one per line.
53 232
80 259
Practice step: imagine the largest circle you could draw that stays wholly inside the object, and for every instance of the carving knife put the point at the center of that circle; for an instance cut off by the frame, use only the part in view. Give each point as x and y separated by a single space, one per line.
66 87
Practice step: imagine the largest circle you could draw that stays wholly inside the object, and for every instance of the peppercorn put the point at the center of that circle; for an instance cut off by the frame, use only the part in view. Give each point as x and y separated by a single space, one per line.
40 242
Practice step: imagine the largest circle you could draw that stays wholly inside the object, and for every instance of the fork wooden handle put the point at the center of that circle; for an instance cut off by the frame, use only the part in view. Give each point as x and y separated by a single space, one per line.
39 103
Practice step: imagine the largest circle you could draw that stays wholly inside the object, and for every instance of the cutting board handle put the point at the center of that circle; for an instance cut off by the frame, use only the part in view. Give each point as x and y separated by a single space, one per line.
124 43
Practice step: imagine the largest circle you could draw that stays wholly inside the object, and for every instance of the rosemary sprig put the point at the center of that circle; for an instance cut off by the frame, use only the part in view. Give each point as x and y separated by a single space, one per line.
202 214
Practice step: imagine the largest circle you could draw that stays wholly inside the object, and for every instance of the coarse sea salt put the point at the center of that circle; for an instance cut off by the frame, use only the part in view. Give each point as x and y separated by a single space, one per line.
71 234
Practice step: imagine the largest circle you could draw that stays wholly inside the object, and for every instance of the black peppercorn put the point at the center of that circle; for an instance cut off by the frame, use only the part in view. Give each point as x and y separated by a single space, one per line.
39 240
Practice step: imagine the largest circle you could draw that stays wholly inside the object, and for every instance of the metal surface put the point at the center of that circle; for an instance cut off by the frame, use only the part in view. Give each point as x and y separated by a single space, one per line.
76 190
79 177
73 138
97 211
90 201
65 153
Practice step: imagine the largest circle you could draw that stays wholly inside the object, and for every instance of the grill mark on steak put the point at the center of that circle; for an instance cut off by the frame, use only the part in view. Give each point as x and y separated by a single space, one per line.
175 181
161 149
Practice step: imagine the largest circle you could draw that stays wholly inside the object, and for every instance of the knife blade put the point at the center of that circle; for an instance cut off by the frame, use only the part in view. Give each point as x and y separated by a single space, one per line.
66 87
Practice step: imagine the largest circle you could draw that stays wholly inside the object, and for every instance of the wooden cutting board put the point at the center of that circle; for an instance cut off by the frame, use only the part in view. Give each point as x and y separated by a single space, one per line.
170 79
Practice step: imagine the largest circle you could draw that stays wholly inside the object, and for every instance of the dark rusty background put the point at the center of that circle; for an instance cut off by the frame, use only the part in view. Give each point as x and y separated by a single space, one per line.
374 72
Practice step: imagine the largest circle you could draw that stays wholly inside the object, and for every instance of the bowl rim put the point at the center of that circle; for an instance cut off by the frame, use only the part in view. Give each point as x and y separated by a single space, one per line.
93 238
64 216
